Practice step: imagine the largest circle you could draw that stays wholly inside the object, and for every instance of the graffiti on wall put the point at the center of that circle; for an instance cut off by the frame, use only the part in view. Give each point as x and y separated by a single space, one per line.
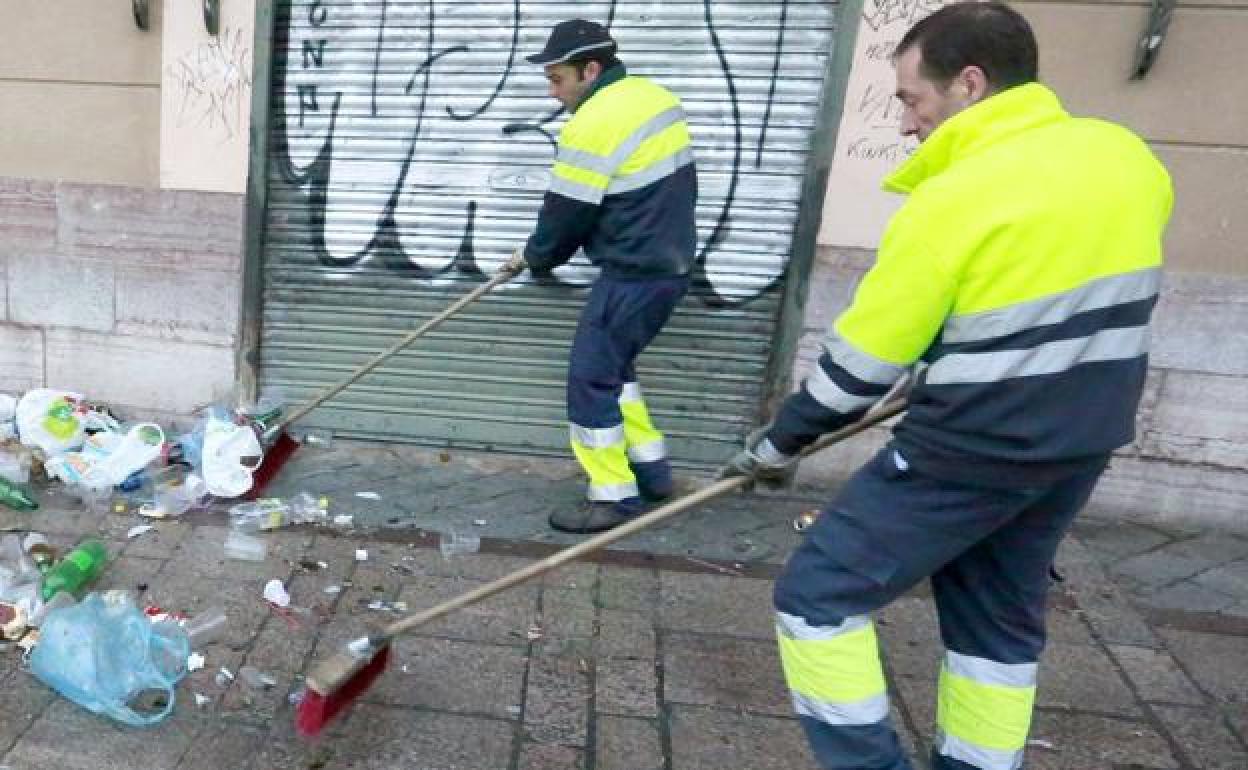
421 139
213 83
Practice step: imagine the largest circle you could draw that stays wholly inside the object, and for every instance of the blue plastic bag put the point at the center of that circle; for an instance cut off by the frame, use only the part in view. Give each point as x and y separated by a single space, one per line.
103 653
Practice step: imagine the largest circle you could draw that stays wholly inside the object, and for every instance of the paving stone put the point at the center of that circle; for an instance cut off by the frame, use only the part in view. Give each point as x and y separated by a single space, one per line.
909 637
502 619
1218 663
204 681
713 739
24 699
556 708
716 604
625 588
568 613
128 573
385 738
245 609
1067 625
626 687
734 673
224 744
550 756
1156 676
159 542
261 704
1204 737
1089 742
69 737
463 677
279 647
918 696
1117 539
628 744
1158 568
1237 716
202 553
1230 579
576 576
624 634
1077 676
1106 610
1186 595
1213 547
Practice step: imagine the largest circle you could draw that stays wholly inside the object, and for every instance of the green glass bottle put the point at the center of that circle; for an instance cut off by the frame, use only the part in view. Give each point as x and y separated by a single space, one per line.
73 573
16 496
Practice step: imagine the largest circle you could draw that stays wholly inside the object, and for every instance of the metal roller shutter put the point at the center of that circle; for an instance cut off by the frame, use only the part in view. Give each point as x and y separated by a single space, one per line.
409 147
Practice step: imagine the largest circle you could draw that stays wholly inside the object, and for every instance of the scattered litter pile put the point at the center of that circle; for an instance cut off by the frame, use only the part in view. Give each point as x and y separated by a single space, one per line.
101 649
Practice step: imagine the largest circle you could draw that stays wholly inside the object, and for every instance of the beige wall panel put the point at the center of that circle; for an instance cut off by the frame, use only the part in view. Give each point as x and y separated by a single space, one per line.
92 41
84 133
1196 92
1209 228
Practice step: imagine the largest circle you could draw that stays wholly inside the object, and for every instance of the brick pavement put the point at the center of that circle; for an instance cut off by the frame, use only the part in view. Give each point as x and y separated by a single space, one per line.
658 654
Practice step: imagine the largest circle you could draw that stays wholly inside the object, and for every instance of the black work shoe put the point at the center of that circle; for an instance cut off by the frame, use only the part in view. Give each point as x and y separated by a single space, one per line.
590 517
654 480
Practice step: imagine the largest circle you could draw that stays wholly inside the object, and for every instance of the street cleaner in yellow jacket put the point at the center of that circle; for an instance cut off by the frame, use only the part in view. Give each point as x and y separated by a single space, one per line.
624 189
1016 284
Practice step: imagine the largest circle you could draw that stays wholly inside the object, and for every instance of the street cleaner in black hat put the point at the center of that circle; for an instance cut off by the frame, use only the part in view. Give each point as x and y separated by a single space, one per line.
624 189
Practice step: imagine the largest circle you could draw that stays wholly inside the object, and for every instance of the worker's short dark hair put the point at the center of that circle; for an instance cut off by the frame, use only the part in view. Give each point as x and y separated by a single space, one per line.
991 36
606 58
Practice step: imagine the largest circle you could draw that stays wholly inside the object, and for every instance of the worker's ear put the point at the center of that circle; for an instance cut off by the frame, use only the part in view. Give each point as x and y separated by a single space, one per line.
592 70
972 85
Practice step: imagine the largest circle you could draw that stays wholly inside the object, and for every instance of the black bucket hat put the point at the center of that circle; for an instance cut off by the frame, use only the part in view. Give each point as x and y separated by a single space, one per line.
572 38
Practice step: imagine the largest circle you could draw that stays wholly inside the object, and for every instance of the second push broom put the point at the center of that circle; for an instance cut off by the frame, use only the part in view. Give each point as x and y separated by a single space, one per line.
335 683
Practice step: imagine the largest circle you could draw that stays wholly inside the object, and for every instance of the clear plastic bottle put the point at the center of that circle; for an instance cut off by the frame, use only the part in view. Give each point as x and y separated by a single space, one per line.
259 515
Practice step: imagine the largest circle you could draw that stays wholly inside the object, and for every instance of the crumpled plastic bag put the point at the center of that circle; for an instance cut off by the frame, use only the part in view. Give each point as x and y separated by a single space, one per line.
231 454
49 419
107 457
103 653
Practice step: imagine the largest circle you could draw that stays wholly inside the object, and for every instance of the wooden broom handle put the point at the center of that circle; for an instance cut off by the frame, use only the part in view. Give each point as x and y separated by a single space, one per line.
629 527
502 276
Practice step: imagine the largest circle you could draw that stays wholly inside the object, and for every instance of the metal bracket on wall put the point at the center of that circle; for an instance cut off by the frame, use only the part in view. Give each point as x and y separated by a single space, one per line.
1154 35
212 16
141 16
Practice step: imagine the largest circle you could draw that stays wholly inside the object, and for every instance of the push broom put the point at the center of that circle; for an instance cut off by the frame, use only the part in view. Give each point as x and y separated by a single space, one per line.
335 683
282 446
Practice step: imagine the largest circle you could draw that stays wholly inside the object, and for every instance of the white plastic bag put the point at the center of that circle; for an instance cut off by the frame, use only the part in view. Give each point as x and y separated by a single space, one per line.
48 419
230 457
108 458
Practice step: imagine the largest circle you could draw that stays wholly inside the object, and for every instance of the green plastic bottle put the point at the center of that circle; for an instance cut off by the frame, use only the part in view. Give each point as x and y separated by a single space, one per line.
73 573
16 496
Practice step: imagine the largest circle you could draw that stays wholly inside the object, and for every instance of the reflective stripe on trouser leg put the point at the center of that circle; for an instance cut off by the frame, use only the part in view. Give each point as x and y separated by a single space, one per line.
984 711
645 442
603 454
833 672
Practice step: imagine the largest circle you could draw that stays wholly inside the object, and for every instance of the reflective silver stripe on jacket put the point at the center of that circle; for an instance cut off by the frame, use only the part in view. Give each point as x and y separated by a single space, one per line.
651 174
1046 358
795 627
823 389
586 193
1094 295
991 672
864 712
864 366
596 438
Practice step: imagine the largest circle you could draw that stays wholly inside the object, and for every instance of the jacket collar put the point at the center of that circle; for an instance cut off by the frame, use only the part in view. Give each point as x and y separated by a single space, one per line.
610 75
995 119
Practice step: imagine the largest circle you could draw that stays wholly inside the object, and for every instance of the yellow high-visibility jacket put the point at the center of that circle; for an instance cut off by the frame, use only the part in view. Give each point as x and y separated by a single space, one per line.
1021 273
623 186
